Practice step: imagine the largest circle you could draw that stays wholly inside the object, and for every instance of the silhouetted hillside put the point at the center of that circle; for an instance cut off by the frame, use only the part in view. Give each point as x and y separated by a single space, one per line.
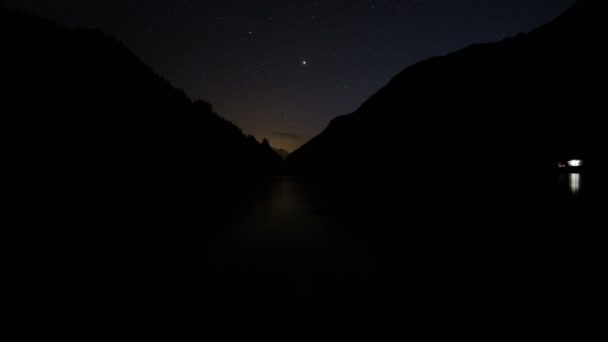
284 154
450 171
80 106
108 163
114 176
520 104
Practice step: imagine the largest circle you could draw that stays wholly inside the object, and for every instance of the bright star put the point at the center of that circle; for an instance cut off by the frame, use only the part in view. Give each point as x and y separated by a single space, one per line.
303 62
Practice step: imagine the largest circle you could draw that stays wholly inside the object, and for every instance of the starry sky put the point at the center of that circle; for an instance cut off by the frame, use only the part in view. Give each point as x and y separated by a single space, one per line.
282 69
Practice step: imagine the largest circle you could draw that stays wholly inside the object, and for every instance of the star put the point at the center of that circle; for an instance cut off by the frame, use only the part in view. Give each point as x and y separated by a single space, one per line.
304 63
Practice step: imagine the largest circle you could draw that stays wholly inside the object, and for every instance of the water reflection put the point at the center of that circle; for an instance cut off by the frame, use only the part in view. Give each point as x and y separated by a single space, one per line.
571 182
574 181
295 236
281 228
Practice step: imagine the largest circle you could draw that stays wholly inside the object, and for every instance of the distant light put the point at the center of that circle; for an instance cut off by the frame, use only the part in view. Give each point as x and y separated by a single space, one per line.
575 163
303 62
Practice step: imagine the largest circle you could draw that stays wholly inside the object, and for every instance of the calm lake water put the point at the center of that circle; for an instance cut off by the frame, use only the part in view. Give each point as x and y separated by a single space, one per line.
293 235
286 226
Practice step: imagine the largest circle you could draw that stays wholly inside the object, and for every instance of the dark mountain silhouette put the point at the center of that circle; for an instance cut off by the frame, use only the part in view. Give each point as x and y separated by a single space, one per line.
106 161
520 104
449 172
80 108
454 162
281 152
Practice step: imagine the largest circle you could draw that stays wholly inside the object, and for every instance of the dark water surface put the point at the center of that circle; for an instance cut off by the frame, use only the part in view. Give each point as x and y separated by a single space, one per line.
296 237
287 229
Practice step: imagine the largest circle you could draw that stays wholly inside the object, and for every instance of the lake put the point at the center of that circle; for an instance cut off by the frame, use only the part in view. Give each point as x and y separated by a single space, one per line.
296 237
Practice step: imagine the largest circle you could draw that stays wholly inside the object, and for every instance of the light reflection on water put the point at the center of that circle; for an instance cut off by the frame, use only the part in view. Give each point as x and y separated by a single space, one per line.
291 228
571 182
281 228
574 181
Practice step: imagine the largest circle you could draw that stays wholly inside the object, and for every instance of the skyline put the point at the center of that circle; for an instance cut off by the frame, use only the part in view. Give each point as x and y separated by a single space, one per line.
282 70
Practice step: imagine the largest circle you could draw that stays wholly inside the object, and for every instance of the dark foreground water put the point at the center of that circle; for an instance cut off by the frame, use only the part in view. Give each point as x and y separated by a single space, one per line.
378 247
288 235
432 249
293 237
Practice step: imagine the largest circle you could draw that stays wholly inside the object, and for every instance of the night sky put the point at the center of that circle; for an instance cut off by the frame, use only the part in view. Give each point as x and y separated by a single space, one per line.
282 69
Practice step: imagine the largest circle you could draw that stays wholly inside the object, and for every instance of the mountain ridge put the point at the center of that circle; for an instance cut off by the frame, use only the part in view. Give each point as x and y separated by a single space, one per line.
429 94
87 85
96 137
